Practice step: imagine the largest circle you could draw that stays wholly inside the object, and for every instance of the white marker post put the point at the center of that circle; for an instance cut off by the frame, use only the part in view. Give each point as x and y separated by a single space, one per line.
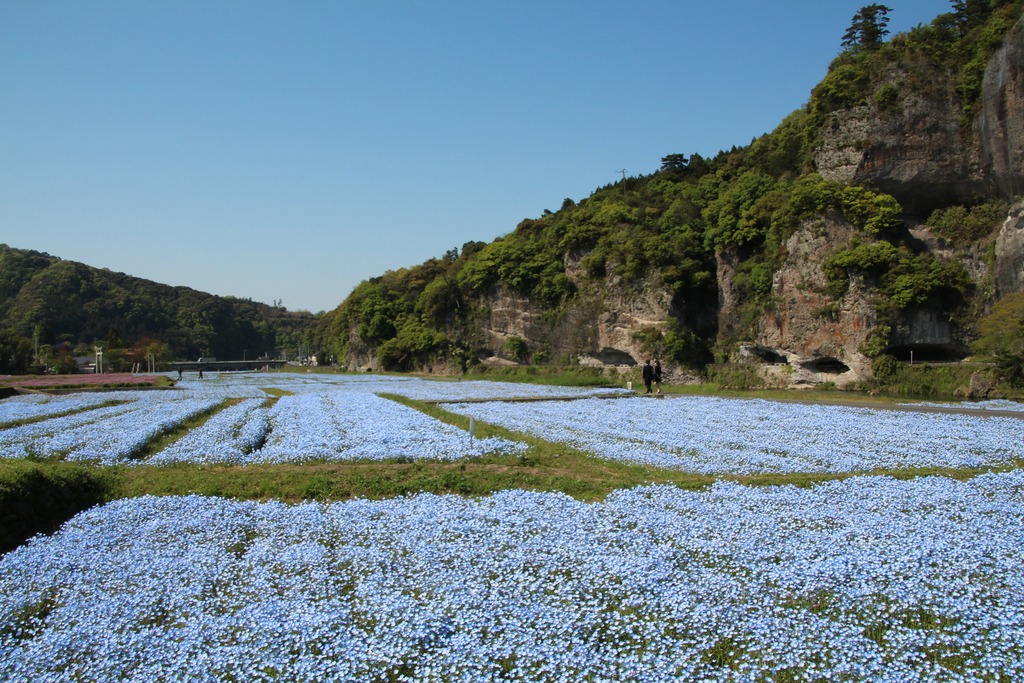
472 429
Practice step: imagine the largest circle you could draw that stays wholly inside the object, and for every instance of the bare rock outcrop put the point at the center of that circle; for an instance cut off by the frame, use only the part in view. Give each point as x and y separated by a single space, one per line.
927 330
626 312
919 155
1000 124
510 315
598 327
729 299
1008 270
818 336
917 150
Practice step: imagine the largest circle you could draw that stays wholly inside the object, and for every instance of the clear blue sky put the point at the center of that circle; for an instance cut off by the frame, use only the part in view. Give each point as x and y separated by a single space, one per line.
290 150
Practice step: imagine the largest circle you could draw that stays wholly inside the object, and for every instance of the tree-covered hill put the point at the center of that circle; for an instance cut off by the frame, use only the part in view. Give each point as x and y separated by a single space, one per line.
691 262
59 306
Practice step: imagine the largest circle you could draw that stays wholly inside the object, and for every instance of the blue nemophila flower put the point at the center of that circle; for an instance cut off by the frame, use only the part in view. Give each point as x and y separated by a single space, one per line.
250 385
865 579
109 434
336 418
723 436
226 438
344 425
34 406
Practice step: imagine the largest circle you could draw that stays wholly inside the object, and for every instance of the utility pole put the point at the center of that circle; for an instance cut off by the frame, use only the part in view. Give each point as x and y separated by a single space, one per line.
623 172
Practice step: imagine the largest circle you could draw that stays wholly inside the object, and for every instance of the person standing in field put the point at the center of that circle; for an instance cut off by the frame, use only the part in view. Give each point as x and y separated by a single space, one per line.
657 374
648 375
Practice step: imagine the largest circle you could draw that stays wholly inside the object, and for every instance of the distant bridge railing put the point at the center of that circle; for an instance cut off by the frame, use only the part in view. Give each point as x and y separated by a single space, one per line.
224 365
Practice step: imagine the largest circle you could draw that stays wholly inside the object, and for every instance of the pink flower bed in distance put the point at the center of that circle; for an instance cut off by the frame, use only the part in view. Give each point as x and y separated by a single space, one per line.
76 380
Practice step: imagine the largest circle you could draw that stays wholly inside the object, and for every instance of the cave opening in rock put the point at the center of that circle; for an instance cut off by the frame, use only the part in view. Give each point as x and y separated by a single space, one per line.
767 355
611 356
826 364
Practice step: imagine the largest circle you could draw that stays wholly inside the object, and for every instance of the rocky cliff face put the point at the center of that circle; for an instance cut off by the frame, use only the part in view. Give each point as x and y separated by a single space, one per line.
1000 126
1001 150
918 154
819 339
599 328
506 315
1008 270
917 148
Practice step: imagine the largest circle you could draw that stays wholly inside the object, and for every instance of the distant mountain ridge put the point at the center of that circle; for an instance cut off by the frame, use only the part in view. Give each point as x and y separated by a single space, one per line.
56 301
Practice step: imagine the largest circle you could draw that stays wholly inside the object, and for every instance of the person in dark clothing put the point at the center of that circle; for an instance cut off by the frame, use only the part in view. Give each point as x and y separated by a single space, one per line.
657 375
648 375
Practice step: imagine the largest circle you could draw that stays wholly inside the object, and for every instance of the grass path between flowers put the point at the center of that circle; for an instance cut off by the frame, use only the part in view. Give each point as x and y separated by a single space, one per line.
39 495
545 466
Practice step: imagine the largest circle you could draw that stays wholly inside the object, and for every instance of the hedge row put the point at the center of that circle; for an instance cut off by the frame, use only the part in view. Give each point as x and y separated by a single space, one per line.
37 497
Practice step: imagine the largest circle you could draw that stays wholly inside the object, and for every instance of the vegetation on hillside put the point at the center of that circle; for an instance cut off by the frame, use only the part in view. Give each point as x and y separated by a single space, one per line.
954 48
52 310
1002 338
668 228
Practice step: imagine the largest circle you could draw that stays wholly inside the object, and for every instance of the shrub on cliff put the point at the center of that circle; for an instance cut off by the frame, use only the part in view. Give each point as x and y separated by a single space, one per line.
1002 338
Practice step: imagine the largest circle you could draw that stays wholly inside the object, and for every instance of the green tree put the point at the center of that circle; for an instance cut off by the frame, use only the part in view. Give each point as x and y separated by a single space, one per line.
868 27
685 347
914 280
674 163
873 212
146 351
870 260
516 347
1002 338
734 218
64 362
414 344
970 13
963 225
440 303
845 85
15 353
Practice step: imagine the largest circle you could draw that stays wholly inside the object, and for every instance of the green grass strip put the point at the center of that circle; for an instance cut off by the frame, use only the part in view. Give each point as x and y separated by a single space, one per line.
545 466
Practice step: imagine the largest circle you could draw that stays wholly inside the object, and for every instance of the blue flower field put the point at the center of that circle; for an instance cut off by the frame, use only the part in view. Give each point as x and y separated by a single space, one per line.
865 578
